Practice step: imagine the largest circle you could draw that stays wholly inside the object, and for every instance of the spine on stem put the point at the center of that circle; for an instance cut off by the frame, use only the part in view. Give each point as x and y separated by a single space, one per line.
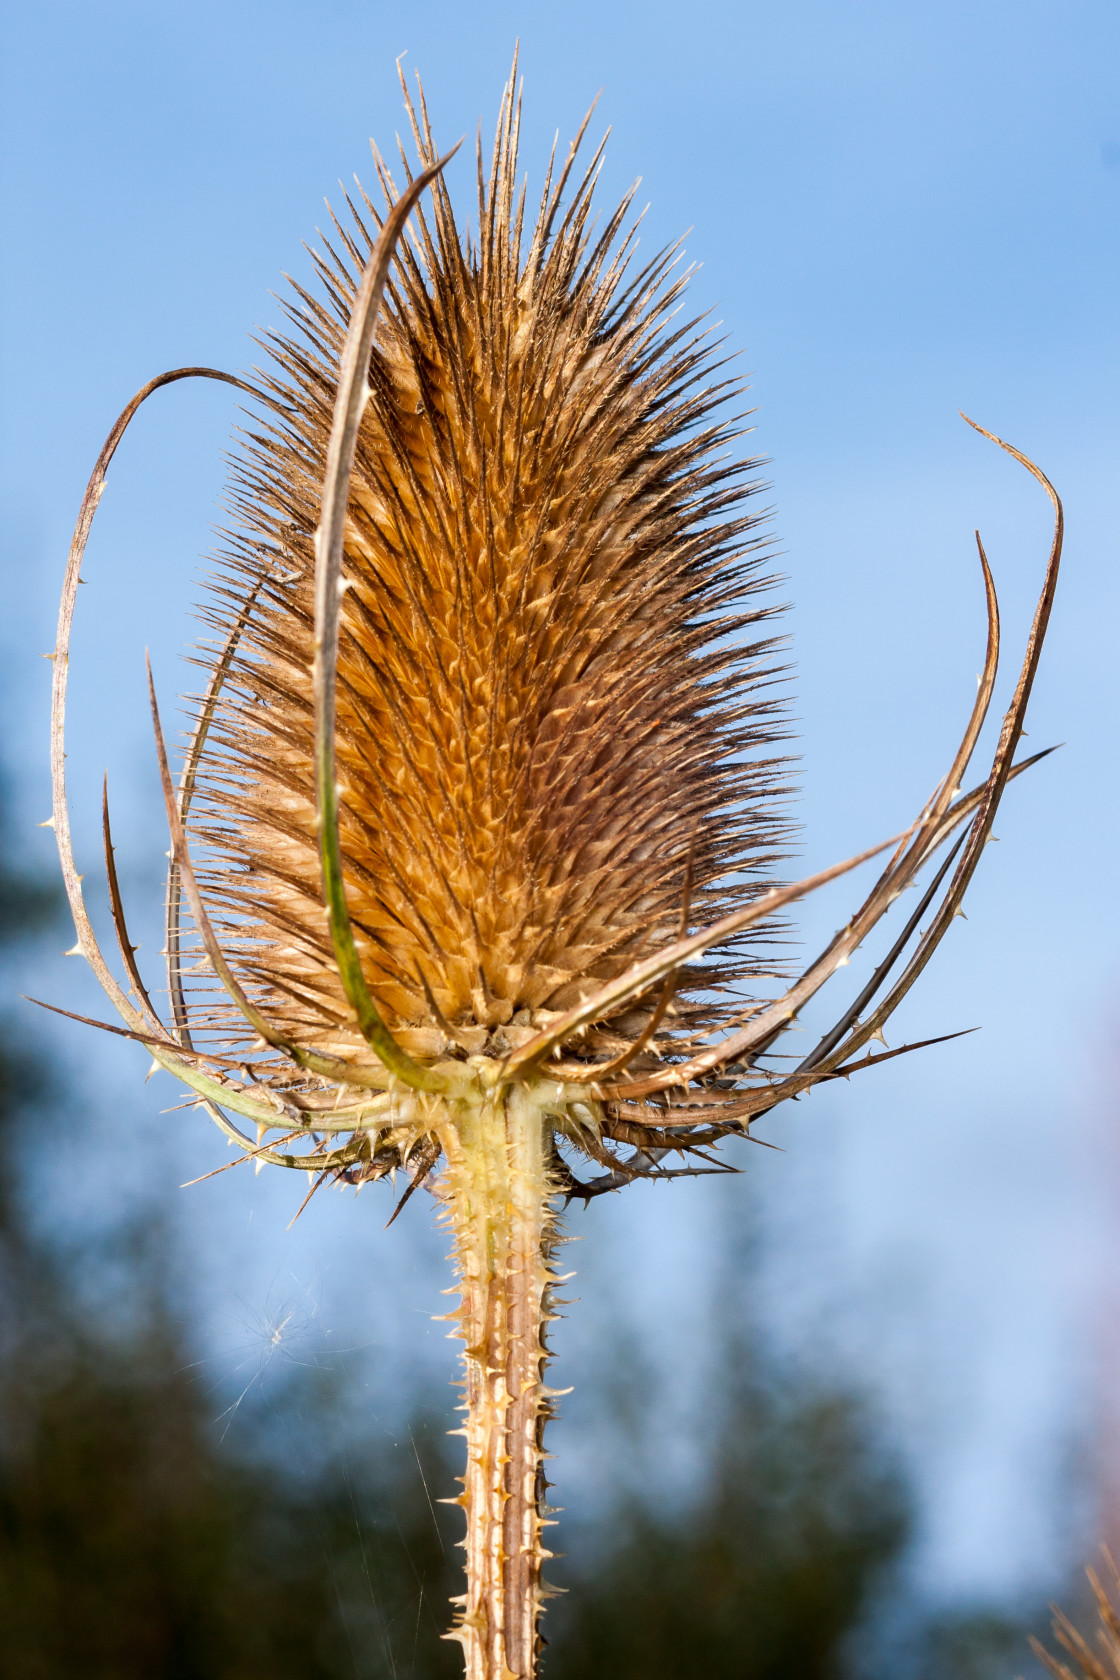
499 1207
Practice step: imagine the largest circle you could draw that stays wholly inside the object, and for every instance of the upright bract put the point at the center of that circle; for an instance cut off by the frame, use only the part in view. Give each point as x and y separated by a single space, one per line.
489 730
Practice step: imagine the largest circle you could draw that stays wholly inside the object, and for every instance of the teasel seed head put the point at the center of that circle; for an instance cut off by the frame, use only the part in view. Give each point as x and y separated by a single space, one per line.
484 784
555 690
485 772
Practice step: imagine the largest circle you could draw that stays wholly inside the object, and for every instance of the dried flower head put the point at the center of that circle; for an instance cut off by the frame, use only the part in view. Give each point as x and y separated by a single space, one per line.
549 718
483 783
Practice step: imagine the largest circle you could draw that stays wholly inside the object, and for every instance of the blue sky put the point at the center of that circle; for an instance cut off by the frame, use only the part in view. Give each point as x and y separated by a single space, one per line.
899 211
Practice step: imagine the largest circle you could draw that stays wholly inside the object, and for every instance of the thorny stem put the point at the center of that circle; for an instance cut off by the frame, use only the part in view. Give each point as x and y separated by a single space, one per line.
499 1192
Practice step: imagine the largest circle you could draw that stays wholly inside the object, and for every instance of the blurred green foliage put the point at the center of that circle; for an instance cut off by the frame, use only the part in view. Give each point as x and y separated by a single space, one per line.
133 1544
763 1575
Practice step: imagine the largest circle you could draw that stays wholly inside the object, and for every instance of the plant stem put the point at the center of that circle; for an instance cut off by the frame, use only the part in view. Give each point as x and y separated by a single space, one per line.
499 1194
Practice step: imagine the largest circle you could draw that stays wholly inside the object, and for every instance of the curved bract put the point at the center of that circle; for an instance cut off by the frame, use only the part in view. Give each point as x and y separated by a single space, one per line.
484 777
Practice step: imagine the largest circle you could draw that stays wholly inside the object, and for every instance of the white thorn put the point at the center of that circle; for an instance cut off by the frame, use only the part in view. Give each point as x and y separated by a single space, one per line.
843 962
48 824
961 914
74 951
49 656
156 1067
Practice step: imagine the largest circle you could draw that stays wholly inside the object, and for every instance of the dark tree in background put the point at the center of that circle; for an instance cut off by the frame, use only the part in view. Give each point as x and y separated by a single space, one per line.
131 1543
765 1575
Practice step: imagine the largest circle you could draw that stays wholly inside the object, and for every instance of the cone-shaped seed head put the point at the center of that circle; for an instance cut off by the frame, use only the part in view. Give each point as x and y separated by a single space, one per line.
550 693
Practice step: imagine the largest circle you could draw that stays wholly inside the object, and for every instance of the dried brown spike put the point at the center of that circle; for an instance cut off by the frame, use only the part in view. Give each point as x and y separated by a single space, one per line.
545 687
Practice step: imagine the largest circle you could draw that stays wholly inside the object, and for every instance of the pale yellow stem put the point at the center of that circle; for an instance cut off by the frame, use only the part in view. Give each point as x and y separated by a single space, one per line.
499 1195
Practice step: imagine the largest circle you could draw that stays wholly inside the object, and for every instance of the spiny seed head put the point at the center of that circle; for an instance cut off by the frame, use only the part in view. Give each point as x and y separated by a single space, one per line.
554 700
492 719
